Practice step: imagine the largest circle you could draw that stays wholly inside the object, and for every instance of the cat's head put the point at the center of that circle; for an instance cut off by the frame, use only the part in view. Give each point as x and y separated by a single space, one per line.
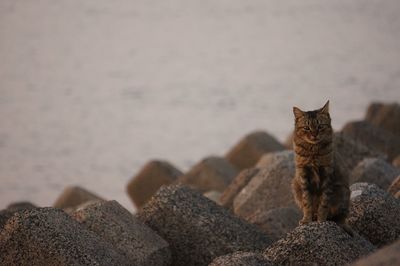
313 126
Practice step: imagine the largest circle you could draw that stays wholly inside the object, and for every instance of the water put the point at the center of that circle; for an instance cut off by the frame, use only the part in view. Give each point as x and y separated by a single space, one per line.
92 90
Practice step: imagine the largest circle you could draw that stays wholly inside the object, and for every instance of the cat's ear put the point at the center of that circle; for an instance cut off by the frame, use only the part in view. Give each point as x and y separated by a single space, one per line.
297 112
325 109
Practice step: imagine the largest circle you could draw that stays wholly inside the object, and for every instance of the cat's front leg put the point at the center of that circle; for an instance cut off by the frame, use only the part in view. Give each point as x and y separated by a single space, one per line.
303 174
326 174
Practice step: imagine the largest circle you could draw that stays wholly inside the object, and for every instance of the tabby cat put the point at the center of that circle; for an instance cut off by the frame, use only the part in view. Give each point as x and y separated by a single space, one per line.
320 190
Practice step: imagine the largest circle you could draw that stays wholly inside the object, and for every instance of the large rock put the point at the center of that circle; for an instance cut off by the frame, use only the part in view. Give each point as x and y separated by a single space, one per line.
249 150
395 186
117 226
240 181
270 188
212 173
270 158
396 161
374 214
73 196
11 209
318 244
197 229
276 223
47 236
241 258
214 196
387 256
149 179
373 137
386 116
375 171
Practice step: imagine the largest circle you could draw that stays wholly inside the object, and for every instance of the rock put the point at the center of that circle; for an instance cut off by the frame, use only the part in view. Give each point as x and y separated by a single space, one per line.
197 229
276 223
396 161
318 244
397 195
249 150
48 236
240 181
375 171
212 173
270 188
149 179
373 137
214 196
387 256
395 186
11 209
385 116
241 258
270 158
117 226
73 196
374 214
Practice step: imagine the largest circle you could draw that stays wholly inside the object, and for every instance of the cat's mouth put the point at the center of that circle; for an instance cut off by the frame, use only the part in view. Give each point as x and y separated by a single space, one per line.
313 140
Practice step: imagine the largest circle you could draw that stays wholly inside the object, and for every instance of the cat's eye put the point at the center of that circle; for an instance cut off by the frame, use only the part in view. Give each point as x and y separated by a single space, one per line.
306 128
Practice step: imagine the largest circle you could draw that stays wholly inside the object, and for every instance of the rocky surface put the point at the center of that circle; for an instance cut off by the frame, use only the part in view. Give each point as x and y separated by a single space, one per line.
395 186
11 209
73 196
374 171
318 244
270 158
396 161
241 259
387 256
249 150
149 179
212 173
214 196
197 229
48 236
386 116
374 214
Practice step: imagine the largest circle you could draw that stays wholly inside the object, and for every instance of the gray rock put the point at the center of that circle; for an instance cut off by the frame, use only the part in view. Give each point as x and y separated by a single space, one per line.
270 188
117 226
395 186
374 214
249 150
385 116
212 173
375 171
150 178
73 196
373 137
241 258
240 181
214 196
197 229
11 209
318 244
270 158
48 236
276 223
387 256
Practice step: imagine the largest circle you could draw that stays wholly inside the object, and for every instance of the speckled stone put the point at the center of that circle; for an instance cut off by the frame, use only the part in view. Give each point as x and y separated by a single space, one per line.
240 181
197 229
48 236
318 244
149 179
270 158
374 214
11 209
241 258
117 226
385 116
212 173
375 171
387 256
373 137
214 196
276 223
395 186
73 196
249 150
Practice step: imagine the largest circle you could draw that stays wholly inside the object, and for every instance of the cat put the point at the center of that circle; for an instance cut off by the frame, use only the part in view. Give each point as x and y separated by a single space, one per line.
320 189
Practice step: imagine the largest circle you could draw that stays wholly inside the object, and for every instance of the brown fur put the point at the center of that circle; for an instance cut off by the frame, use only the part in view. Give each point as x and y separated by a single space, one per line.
320 190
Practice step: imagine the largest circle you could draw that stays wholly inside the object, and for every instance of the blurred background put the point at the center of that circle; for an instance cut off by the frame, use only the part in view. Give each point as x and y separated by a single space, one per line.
91 90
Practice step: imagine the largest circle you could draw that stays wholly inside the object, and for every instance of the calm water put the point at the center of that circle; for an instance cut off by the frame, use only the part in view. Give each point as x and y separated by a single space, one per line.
91 90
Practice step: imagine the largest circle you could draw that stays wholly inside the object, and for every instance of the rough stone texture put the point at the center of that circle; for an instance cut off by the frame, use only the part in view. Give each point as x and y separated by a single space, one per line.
396 161
149 179
374 214
395 186
270 188
212 173
375 171
386 116
397 195
117 226
270 158
214 196
241 258
240 181
197 229
373 137
318 244
249 150
48 236
276 223
11 209
73 196
387 256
